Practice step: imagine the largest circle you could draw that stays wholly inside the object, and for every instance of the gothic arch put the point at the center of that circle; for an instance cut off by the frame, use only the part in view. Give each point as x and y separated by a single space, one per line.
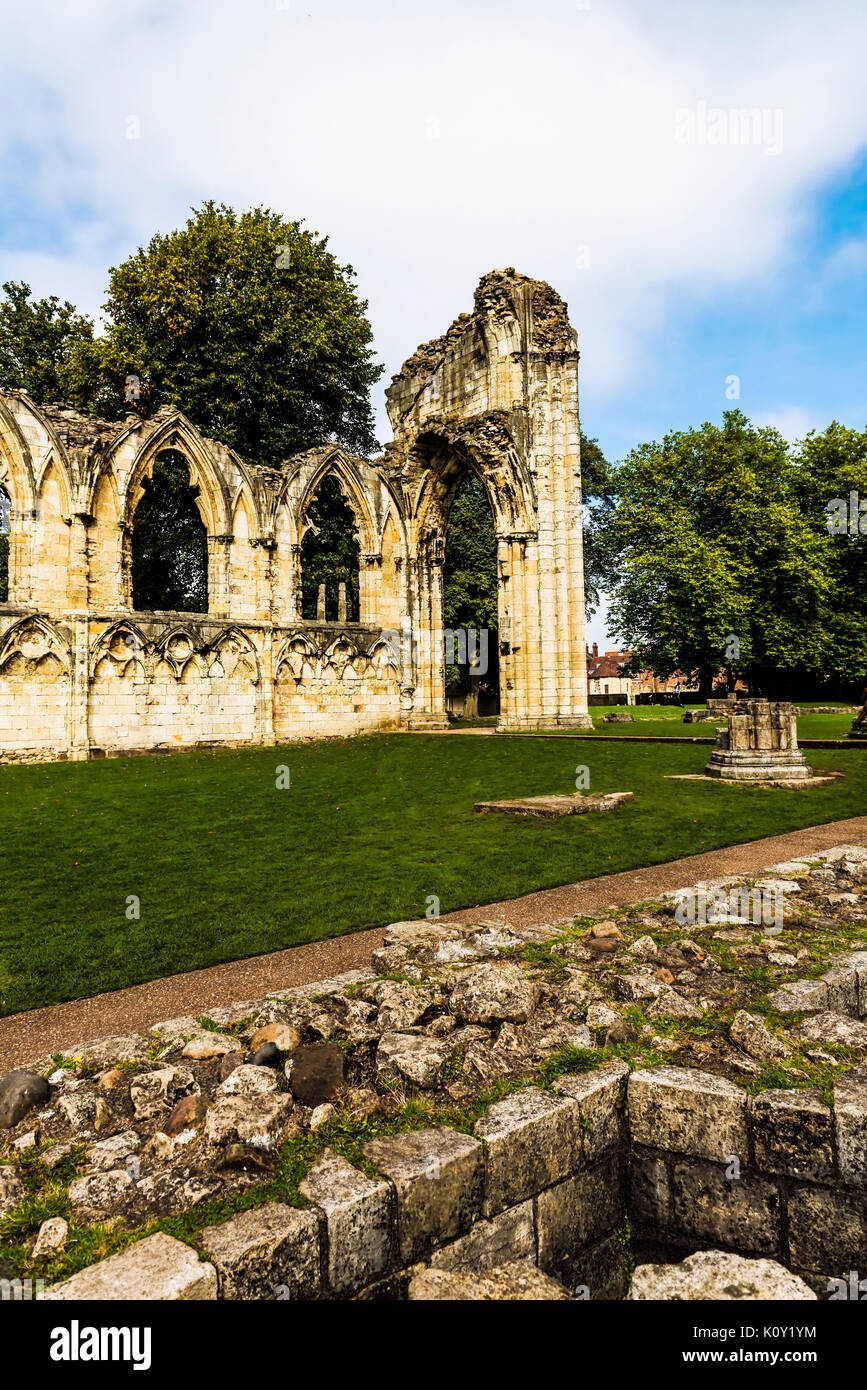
178 434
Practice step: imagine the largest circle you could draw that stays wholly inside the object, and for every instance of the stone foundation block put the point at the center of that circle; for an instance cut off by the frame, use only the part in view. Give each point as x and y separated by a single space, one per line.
531 1142
578 1212
706 1207
689 1111
511 1235
158 1268
357 1220
438 1176
793 1133
850 1119
827 1231
601 1100
267 1253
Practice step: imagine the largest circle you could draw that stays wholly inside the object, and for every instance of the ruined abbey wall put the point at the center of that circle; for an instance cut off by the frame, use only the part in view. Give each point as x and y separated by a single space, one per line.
82 673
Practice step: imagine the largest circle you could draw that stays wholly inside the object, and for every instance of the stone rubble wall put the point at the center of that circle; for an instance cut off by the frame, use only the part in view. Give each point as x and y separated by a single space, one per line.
566 1170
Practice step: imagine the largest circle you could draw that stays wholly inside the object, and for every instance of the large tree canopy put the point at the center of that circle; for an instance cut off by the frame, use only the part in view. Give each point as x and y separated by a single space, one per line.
720 533
249 325
38 338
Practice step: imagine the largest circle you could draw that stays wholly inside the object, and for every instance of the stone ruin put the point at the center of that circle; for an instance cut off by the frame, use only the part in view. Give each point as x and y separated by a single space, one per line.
652 1106
760 747
83 674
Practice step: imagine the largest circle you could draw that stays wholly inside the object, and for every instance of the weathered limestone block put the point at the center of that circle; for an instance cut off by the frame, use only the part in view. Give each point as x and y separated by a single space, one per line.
688 1111
827 1231
793 1133
801 996
842 990
113 1152
760 744
438 1177
508 1236
857 961
413 1056
649 1199
249 1080
601 1099
832 1028
714 1275
850 1118
748 1031
531 1141
519 1281
743 1212
267 1253
107 1052
494 994
578 1212
98 1194
254 1120
155 1091
12 1188
357 1218
158 1268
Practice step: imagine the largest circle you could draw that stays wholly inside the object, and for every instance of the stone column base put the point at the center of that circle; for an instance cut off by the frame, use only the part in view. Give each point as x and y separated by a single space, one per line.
563 721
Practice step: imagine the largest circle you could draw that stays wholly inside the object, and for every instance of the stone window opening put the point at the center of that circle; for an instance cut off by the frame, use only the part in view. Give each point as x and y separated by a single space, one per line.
330 556
470 599
169 542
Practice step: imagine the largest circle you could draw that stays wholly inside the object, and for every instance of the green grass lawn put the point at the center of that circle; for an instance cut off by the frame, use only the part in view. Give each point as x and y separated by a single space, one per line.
666 721
226 865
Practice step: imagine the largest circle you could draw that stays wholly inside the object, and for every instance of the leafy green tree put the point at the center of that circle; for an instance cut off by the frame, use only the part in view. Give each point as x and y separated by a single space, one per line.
169 542
249 325
37 339
710 560
470 574
329 553
597 490
833 467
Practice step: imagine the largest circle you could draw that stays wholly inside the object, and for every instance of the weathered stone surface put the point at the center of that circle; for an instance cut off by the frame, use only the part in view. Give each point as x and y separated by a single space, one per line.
576 1213
494 994
20 1092
518 1281
827 1230
113 1152
254 1120
438 1176
743 1211
269 1252
249 1080
850 1117
508 1236
13 1189
688 1111
107 1052
712 1274
316 1074
553 807
760 745
748 1031
414 1057
357 1218
189 1113
601 1099
832 1028
158 1268
531 1141
793 1133
649 1187
156 1091
801 996
98 1194
51 1238
208 1045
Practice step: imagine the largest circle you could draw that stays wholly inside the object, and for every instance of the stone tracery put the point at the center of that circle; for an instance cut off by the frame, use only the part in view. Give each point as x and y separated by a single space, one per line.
497 394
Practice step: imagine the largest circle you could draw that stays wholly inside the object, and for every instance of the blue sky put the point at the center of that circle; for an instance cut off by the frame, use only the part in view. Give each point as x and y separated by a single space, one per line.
596 145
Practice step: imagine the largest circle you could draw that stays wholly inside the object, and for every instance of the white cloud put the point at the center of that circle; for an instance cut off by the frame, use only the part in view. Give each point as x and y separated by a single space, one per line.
436 142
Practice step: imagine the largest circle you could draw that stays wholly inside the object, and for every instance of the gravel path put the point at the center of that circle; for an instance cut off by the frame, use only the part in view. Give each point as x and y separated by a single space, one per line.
33 1034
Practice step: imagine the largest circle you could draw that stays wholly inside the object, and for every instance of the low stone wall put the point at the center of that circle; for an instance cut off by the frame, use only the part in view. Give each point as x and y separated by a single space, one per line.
565 1097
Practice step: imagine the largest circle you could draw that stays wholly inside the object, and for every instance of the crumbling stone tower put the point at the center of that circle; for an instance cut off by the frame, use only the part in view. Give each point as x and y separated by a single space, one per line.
498 394
82 672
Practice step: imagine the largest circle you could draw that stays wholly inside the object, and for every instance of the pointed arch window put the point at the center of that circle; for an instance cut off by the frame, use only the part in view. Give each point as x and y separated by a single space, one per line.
329 553
169 541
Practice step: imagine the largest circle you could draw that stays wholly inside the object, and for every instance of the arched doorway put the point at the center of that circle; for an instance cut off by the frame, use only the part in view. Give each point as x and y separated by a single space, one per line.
330 554
169 541
470 602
